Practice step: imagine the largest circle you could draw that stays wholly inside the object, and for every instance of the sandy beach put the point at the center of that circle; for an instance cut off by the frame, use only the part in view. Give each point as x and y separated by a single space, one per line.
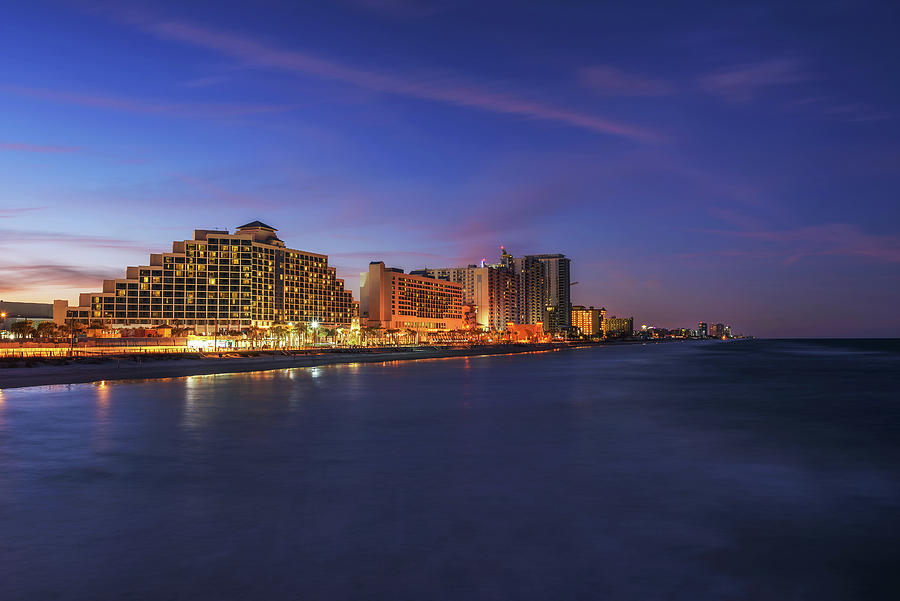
133 368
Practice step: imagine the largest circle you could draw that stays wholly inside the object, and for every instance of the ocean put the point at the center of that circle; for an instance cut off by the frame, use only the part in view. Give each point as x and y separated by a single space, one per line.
757 469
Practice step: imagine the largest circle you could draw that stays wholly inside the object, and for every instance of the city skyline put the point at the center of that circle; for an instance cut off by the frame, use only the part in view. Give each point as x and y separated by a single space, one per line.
747 177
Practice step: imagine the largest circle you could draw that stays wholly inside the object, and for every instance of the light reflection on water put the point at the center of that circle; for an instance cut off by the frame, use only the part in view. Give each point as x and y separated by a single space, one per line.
684 471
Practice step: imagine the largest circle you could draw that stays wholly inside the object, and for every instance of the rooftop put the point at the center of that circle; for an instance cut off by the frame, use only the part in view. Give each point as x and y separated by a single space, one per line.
257 224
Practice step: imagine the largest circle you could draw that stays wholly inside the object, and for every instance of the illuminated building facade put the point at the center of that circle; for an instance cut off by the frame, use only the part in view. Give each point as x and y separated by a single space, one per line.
391 299
616 327
702 329
492 289
587 320
220 281
544 282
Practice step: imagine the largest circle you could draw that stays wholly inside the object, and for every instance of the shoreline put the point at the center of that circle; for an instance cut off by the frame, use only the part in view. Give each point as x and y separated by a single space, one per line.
145 368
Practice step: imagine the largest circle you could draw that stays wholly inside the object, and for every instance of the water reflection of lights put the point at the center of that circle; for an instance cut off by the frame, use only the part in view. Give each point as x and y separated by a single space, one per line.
102 398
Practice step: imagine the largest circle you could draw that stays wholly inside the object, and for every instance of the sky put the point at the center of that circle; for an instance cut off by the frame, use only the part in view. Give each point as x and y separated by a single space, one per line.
708 161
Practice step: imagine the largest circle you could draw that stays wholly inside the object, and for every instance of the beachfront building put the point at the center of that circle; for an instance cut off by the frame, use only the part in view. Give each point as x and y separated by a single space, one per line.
544 282
392 299
12 311
618 327
586 320
492 290
219 281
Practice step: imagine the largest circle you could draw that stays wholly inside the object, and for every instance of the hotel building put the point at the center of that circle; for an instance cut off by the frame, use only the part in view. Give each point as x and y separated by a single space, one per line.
618 326
492 289
587 320
392 299
220 281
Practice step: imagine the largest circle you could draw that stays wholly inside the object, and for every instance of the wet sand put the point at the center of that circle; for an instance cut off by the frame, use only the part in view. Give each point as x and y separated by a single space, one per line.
133 368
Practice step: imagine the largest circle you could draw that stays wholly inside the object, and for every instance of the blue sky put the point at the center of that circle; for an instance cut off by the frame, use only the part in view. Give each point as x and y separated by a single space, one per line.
705 161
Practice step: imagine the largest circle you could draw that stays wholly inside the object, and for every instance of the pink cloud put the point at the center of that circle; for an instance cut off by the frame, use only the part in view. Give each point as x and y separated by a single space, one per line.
24 278
134 105
15 212
448 90
15 237
21 147
742 83
609 81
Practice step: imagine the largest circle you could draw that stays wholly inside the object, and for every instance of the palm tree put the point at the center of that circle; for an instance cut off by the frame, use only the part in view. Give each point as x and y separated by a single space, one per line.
279 331
313 333
46 329
255 333
392 334
300 329
22 329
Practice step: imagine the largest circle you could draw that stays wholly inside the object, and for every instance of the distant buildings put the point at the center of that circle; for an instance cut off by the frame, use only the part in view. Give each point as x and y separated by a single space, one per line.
220 281
587 320
11 312
702 329
392 299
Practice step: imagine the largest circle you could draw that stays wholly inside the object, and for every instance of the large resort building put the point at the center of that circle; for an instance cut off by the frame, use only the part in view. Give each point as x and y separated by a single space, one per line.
220 281
392 299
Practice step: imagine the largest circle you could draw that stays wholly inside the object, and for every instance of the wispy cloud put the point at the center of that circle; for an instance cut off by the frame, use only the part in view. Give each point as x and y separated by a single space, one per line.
15 278
403 9
451 90
22 147
15 212
833 107
13 236
609 81
742 83
821 240
151 107
856 113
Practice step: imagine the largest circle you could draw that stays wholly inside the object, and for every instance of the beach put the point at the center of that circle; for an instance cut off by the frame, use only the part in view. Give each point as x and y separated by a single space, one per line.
148 367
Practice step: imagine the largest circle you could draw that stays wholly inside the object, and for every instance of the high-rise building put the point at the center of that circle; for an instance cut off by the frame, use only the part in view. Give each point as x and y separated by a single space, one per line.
220 281
544 282
587 320
391 299
492 289
702 329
